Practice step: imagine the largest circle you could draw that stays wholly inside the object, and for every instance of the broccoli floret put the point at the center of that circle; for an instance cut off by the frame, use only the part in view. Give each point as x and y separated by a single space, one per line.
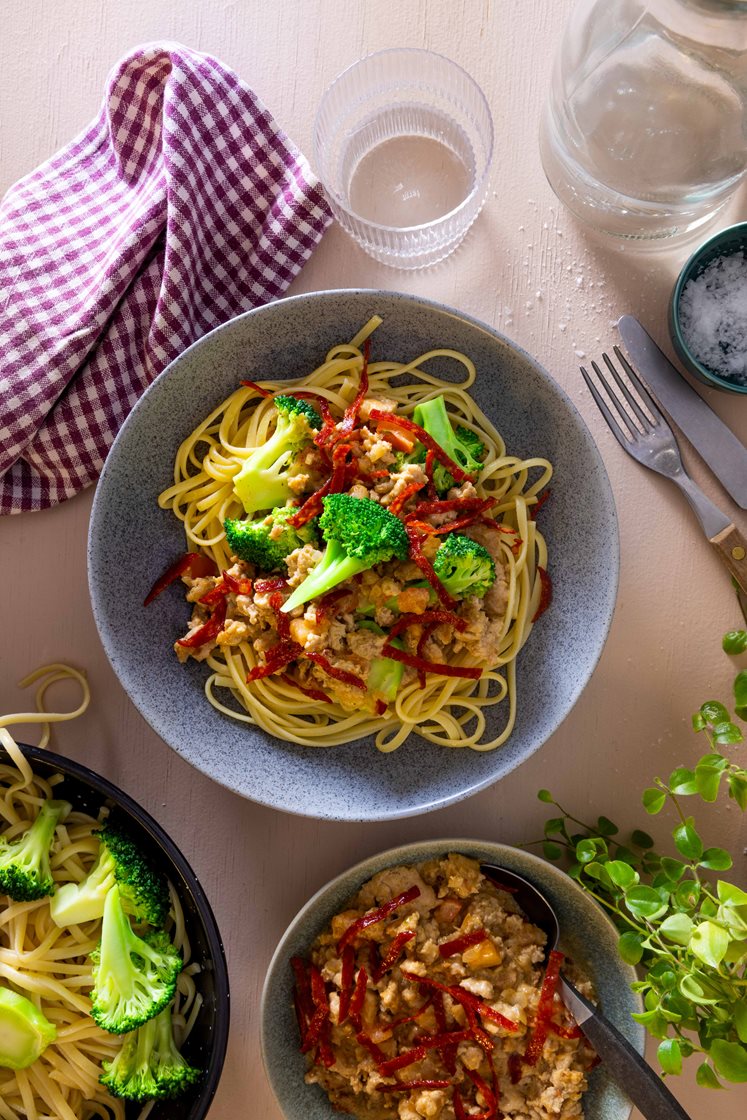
149 1066
25 873
464 566
25 1031
460 444
253 540
359 533
143 887
133 977
262 482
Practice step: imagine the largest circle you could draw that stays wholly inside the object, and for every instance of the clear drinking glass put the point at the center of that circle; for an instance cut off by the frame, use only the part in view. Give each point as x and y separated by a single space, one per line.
644 131
403 141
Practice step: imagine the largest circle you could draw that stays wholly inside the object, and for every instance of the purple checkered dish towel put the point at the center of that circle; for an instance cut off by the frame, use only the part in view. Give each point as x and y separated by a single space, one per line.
180 206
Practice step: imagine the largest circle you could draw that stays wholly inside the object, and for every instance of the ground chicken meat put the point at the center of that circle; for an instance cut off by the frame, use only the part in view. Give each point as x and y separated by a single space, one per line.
400 951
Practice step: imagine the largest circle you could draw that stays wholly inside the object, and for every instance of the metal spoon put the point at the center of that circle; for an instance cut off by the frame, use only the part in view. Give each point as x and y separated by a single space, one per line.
625 1065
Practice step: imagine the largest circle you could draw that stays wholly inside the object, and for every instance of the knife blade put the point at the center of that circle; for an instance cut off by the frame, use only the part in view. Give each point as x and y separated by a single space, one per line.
717 444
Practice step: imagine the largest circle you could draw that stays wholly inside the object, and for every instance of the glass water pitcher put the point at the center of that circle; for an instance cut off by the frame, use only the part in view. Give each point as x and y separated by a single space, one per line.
644 132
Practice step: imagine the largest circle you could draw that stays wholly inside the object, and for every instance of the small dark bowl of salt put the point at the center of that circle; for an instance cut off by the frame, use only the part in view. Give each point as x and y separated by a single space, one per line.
708 311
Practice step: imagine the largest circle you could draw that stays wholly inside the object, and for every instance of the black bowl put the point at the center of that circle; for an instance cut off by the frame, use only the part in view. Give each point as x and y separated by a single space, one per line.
206 1046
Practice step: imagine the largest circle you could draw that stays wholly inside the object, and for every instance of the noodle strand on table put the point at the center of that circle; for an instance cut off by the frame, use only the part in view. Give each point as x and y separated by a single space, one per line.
449 711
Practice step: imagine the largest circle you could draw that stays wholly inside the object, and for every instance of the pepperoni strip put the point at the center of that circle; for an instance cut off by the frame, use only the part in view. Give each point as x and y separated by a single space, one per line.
459 944
378 915
392 955
262 586
453 505
545 592
193 564
209 631
276 658
467 999
357 998
350 419
332 671
540 502
258 388
406 1058
544 1009
441 667
346 983
375 1051
422 561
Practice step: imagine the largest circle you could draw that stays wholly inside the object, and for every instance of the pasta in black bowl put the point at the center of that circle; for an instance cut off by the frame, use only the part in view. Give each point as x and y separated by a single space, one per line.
51 967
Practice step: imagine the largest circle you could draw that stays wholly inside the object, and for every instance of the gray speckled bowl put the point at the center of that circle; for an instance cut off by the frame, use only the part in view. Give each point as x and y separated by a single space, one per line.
131 541
587 935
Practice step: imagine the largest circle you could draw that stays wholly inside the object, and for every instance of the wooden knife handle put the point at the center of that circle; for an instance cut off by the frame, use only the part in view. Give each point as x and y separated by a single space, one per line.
731 545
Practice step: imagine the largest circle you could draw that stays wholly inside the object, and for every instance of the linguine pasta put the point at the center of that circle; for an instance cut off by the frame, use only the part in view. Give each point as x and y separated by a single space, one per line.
51 966
449 711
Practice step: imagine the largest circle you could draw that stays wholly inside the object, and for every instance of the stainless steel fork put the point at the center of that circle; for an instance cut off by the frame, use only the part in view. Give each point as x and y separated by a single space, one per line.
651 441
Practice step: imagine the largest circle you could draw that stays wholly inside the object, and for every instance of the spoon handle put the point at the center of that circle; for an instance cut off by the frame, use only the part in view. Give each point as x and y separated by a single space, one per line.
623 1063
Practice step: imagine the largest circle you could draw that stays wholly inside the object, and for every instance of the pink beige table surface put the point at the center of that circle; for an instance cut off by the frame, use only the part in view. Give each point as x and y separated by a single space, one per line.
527 269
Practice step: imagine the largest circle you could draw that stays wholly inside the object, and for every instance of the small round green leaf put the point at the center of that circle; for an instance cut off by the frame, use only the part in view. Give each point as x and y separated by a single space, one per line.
687 894
630 947
708 780
740 694
674 869
714 712
641 839
586 851
688 841
554 825
740 1020
730 1059
715 859
621 874
670 1056
551 851
734 641
709 943
727 734
677 928
653 800
706 1078
738 790
606 827
646 902
546 796
682 781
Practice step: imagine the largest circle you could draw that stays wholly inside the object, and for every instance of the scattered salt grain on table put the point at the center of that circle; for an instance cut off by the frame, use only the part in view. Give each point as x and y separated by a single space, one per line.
713 317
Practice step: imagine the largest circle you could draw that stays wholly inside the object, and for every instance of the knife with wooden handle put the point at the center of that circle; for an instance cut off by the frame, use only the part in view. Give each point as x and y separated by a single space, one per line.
729 542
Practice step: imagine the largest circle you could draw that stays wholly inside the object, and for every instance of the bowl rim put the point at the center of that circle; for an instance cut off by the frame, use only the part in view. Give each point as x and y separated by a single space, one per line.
705 375
220 1028
429 802
399 854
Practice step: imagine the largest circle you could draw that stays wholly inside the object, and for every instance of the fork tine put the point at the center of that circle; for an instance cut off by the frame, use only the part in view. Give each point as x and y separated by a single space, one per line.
633 404
602 406
614 399
641 389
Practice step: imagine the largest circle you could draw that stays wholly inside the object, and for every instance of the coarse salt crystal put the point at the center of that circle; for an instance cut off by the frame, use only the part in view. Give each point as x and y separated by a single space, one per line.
713 317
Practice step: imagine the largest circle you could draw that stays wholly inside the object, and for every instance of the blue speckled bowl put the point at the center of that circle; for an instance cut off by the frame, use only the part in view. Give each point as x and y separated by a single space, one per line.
131 541
587 935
